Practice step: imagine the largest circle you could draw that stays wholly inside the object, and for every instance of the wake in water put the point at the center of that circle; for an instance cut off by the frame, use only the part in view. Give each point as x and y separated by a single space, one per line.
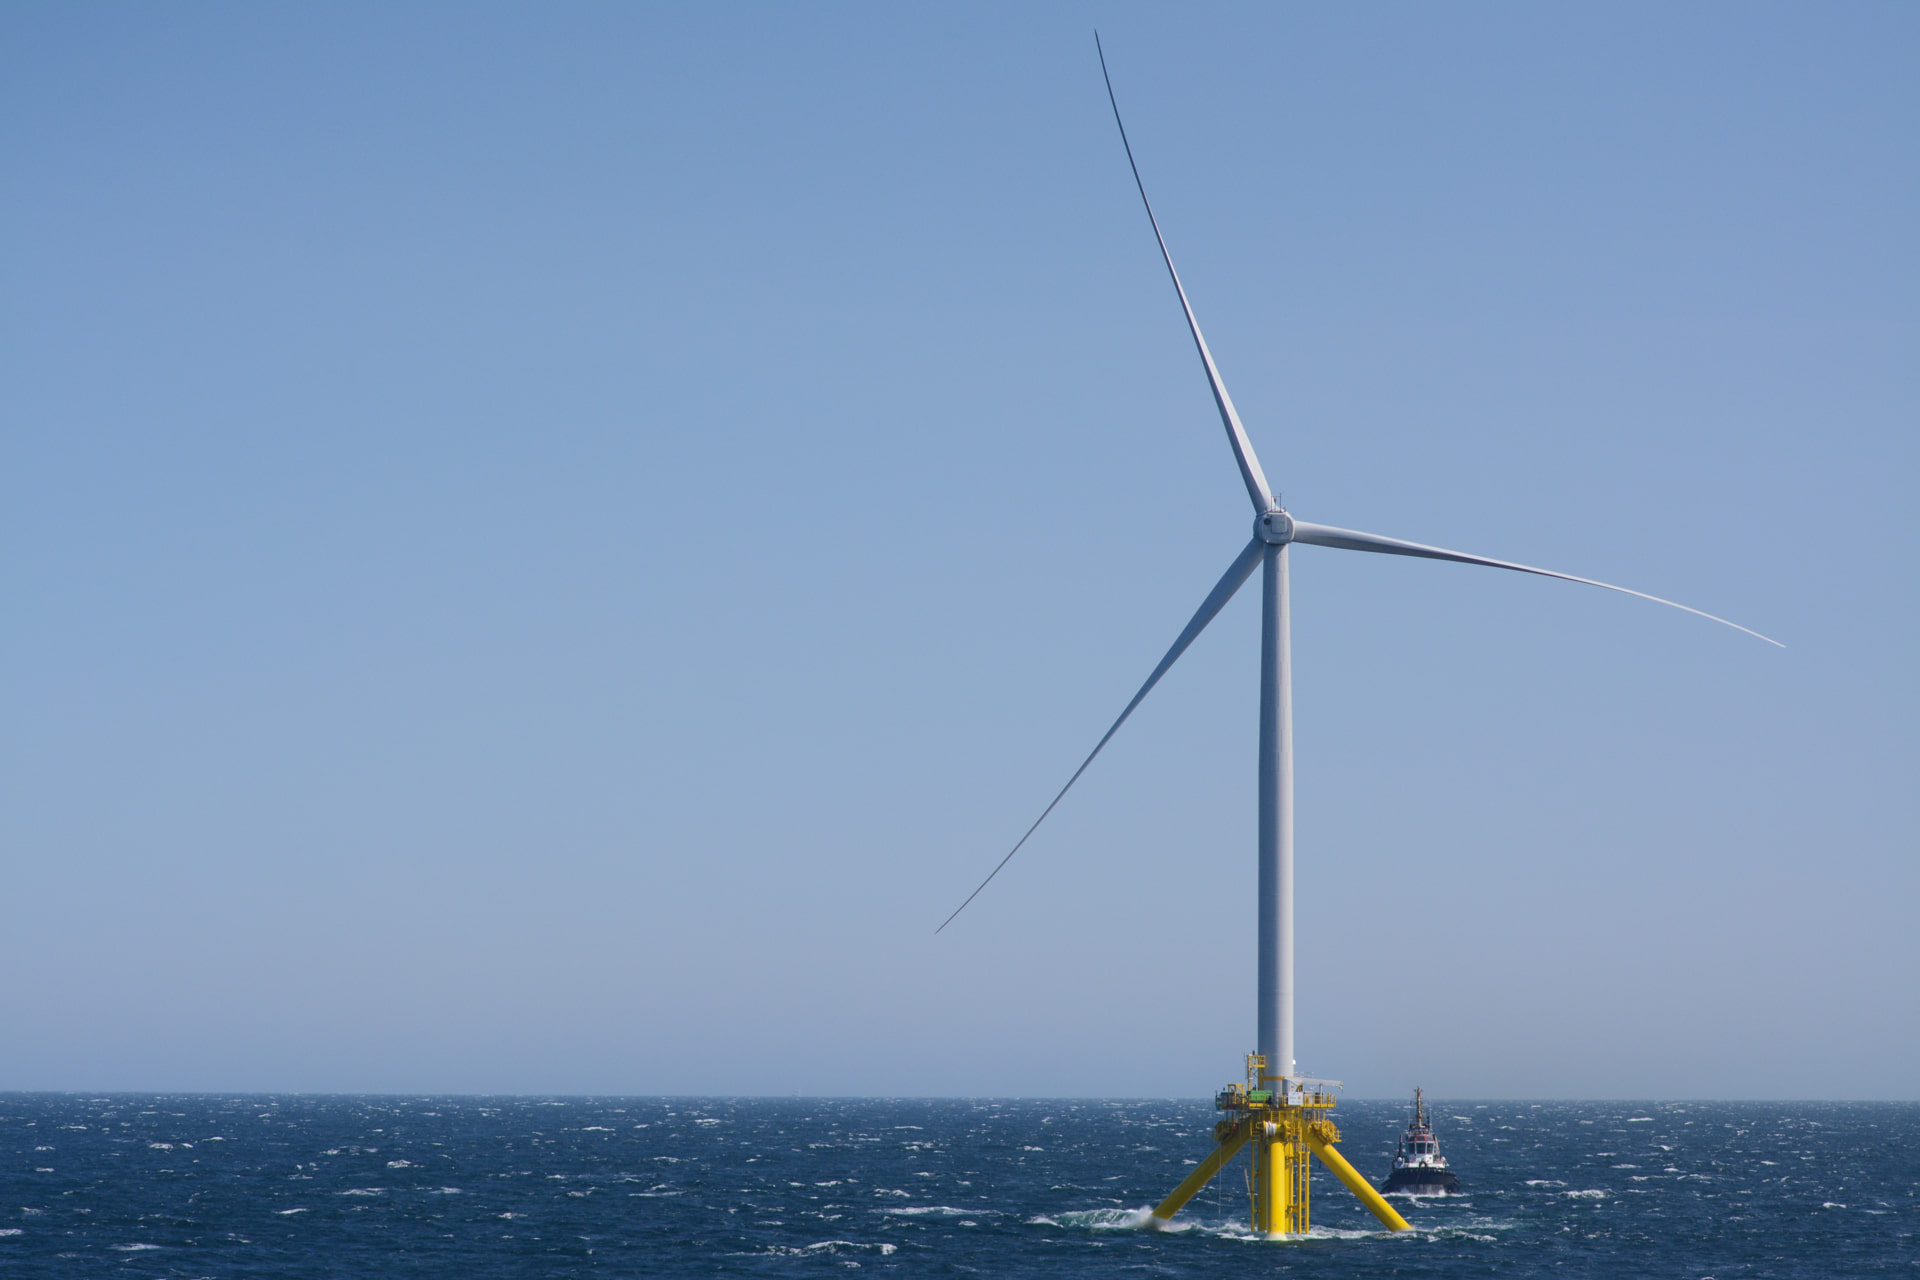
1480 1229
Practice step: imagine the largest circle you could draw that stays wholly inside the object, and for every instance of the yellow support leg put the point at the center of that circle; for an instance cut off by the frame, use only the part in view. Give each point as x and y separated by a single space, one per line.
1355 1183
1273 1186
1280 1182
1202 1175
1302 1184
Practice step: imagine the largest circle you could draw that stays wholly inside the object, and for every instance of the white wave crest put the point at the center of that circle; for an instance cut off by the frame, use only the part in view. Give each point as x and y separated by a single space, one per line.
1098 1219
934 1211
819 1247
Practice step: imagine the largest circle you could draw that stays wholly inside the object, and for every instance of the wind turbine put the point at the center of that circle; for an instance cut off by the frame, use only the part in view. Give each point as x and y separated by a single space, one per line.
1282 1113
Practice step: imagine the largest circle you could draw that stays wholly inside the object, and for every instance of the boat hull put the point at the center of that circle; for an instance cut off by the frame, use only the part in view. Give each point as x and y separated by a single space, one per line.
1421 1182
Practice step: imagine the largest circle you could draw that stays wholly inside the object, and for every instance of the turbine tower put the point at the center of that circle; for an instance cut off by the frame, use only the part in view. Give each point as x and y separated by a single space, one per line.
1282 1113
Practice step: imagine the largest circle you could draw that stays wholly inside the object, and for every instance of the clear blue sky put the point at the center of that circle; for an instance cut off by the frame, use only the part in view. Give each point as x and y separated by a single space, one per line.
546 548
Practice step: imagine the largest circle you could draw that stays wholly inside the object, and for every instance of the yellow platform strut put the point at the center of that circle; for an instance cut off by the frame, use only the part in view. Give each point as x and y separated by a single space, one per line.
1200 1177
1284 1125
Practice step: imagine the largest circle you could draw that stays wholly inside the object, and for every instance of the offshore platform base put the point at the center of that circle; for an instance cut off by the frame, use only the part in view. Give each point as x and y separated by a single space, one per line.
1286 1123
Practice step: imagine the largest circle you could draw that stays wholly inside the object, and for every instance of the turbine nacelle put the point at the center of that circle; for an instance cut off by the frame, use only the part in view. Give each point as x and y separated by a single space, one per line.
1275 528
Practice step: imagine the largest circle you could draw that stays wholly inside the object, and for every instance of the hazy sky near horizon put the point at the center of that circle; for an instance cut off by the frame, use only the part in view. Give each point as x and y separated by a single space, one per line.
546 548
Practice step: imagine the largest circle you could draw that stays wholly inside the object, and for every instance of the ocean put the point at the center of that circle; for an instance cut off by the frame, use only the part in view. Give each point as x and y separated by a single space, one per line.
271 1186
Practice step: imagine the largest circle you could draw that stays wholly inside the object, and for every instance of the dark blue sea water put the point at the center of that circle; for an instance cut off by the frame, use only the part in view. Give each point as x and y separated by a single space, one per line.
476 1187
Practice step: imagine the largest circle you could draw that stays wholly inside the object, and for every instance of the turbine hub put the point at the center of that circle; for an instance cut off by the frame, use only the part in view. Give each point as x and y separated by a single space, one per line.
1275 528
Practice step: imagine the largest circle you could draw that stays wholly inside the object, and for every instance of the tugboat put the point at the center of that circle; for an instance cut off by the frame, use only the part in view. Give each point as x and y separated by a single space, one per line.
1418 1167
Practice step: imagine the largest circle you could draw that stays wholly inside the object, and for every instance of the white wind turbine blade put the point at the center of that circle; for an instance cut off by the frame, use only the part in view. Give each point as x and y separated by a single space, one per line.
1256 480
1237 573
1321 535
